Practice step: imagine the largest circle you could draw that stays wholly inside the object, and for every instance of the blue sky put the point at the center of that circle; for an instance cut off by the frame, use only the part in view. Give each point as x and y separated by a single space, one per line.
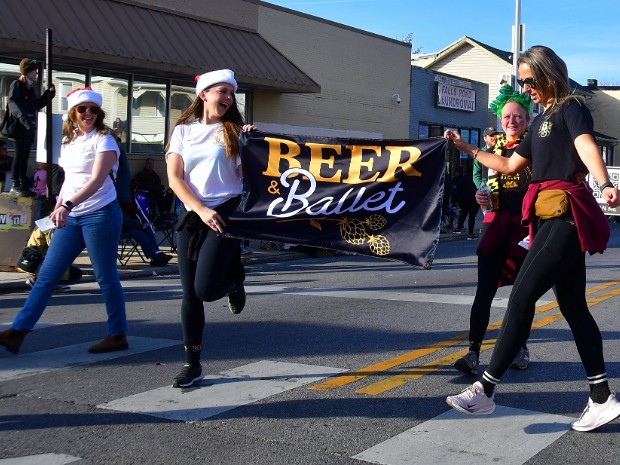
586 35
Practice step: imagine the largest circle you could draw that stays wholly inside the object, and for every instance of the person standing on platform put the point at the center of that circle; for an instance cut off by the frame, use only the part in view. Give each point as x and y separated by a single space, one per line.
24 105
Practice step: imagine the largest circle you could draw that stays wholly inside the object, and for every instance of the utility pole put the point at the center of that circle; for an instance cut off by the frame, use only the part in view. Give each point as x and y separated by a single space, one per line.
516 42
49 133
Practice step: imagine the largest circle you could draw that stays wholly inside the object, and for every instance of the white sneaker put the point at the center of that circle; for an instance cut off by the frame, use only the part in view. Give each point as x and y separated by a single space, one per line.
472 401
596 415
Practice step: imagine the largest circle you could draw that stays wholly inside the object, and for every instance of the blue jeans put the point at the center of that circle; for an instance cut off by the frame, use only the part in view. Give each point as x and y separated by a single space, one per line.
147 240
99 232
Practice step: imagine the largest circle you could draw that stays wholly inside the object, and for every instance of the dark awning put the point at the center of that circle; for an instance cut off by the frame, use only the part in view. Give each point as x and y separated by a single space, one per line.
132 39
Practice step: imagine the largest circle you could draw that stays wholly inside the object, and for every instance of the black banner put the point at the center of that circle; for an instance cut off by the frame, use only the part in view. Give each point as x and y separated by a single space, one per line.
380 198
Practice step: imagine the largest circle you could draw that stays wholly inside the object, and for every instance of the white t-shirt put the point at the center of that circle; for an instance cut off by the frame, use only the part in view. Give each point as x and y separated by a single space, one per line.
210 174
77 158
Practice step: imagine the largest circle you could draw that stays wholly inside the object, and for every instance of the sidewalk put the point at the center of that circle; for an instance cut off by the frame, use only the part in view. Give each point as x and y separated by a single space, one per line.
136 268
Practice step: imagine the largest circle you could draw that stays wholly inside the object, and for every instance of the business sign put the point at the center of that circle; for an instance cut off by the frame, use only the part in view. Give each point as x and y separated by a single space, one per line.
614 176
455 97
380 198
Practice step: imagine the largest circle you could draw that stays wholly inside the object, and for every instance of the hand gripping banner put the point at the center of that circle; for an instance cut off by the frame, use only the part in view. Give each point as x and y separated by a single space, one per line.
380 198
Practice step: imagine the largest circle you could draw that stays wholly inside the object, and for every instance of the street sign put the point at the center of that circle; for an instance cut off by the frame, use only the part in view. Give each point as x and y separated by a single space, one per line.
614 176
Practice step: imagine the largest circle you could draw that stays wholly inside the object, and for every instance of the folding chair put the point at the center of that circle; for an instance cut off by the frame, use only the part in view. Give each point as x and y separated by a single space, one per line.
127 247
158 223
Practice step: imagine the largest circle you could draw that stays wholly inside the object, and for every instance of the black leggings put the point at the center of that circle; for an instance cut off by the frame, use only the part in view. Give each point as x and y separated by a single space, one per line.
19 168
209 278
555 258
489 274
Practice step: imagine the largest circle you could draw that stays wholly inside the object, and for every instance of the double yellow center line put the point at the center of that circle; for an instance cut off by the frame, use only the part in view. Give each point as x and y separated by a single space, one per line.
448 360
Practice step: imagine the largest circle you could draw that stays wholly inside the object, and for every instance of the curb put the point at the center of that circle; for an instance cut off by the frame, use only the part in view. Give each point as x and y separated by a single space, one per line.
249 259
88 277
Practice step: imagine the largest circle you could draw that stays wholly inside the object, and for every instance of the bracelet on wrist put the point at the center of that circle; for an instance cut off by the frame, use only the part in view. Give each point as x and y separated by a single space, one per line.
605 185
66 207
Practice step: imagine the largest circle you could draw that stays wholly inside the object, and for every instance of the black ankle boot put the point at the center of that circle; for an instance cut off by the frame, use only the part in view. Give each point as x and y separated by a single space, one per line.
15 186
12 339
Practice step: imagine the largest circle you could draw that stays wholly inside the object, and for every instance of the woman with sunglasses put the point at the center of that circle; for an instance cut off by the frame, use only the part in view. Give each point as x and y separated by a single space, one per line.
561 149
86 215
204 171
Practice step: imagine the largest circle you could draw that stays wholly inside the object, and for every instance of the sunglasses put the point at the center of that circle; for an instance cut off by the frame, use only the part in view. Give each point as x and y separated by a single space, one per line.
93 109
527 82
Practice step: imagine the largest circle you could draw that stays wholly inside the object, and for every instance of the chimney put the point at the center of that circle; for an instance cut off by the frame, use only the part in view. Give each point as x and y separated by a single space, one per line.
592 82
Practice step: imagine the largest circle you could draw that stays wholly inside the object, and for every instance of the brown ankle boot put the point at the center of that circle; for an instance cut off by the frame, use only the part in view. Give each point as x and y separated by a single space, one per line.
109 344
12 339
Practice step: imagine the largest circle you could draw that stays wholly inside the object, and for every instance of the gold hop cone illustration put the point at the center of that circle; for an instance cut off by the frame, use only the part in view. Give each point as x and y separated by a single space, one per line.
352 231
379 245
375 222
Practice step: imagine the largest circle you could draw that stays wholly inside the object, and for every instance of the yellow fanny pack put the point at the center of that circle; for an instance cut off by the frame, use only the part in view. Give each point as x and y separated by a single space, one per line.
552 203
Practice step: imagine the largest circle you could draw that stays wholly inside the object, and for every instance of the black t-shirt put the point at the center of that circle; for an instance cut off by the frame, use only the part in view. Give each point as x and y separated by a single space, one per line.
549 144
508 190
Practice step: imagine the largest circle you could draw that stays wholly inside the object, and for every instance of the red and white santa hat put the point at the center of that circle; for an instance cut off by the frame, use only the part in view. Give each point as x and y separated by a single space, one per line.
215 77
83 95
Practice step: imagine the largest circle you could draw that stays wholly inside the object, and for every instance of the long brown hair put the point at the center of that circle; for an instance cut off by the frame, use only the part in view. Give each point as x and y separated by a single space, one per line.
70 124
232 121
550 73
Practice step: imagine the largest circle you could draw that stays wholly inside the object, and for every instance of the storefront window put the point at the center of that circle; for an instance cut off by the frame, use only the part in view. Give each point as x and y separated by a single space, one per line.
148 117
115 94
423 131
180 100
436 131
65 82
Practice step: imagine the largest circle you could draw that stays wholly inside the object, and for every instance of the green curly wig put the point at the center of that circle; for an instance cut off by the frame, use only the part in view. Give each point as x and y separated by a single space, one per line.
508 94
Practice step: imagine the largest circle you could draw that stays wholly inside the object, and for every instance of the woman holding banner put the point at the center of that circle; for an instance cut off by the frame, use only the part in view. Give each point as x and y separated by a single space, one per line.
565 221
204 171
499 254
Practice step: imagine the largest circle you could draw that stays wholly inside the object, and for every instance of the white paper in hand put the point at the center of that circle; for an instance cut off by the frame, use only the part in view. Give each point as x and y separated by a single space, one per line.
45 224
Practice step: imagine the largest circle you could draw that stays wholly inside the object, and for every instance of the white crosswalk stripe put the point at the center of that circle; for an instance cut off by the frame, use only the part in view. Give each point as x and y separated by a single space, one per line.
402 296
41 459
456 438
62 357
217 394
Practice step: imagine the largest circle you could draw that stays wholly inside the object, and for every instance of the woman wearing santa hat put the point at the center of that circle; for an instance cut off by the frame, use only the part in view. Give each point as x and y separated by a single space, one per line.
87 215
204 171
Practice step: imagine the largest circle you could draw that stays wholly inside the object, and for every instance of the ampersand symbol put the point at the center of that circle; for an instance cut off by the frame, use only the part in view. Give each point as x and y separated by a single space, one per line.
272 189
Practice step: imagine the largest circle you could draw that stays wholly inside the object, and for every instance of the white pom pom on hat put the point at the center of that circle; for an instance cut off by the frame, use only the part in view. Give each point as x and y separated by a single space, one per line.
83 95
215 77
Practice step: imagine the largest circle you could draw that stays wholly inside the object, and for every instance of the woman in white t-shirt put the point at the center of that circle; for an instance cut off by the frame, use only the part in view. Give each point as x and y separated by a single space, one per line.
204 171
87 215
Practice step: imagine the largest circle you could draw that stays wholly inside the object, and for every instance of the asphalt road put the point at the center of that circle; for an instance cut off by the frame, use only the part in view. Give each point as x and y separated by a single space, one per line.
343 360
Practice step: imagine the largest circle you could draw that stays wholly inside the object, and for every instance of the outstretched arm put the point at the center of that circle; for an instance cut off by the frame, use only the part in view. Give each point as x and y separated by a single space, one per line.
490 160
